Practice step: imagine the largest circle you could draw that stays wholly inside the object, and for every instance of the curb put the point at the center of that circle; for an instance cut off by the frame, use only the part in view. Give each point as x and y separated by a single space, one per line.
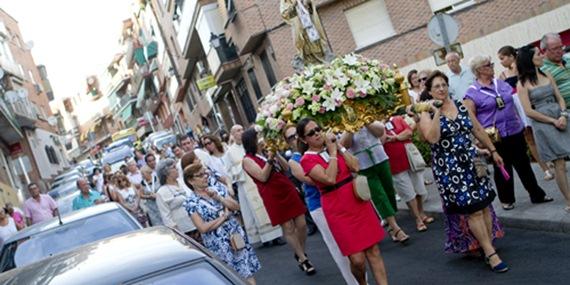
525 224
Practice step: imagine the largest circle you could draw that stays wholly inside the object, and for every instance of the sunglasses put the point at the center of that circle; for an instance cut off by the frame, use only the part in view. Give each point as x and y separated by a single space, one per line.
313 132
291 137
207 143
422 79
490 64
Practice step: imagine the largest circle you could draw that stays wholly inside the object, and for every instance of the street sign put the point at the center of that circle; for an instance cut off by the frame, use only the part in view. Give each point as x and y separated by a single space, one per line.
443 29
440 53
206 82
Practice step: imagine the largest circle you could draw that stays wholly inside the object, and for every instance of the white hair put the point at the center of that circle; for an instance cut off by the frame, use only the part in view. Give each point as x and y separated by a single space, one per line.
546 37
452 54
478 61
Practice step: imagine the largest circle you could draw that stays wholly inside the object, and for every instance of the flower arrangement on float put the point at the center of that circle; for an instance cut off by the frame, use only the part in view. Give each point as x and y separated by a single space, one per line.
345 95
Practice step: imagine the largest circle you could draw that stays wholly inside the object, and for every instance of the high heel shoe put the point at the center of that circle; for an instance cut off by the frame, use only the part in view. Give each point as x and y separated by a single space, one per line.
499 268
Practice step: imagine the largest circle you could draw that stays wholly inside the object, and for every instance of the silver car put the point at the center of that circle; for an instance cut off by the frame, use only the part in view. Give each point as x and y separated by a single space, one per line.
157 255
75 229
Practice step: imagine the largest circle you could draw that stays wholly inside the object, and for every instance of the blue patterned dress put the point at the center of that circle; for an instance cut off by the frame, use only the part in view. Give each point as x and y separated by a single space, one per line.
462 191
243 261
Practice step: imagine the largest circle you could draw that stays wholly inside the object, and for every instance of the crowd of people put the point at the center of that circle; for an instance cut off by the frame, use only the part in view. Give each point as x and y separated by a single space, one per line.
231 192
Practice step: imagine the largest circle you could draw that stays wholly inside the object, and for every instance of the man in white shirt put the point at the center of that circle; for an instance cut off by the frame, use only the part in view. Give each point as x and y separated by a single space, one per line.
256 221
460 78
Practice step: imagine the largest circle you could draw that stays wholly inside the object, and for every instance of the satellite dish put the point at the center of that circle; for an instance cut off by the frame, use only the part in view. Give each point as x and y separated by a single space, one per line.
11 96
1 73
90 80
23 93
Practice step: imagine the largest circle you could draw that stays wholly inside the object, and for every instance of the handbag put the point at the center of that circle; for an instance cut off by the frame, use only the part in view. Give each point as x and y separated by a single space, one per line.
417 162
237 242
493 133
361 188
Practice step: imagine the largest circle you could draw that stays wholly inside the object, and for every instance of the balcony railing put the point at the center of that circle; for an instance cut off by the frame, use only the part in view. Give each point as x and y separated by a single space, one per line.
25 112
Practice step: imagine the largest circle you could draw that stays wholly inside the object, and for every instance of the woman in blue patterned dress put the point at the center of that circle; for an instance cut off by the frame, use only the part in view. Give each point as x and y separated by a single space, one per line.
466 196
210 210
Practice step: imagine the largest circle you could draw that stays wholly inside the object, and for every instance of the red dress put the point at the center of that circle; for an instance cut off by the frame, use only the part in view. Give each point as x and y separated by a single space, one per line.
354 224
279 196
396 150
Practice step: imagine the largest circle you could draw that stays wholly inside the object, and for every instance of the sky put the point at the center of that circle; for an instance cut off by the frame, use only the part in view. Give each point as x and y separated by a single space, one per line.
72 38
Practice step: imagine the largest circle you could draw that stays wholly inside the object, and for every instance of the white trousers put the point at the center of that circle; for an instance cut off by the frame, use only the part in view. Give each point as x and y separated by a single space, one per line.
341 261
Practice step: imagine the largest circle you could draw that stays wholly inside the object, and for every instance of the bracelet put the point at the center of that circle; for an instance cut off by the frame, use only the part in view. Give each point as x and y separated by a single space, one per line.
332 157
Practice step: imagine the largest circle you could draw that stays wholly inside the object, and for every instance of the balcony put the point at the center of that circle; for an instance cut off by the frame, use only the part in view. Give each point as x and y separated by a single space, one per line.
10 133
25 112
223 59
11 68
246 30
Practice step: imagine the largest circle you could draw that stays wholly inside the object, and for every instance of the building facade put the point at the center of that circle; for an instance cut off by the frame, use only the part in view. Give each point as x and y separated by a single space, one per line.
37 153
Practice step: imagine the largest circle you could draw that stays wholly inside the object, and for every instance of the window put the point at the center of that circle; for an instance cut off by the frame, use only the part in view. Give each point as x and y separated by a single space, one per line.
254 83
369 22
449 5
268 69
246 101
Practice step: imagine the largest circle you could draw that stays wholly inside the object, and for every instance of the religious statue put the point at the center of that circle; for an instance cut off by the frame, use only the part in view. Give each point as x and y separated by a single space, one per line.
308 33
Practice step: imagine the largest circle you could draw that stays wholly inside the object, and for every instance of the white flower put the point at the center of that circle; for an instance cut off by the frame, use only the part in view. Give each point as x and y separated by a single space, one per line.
329 104
314 107
273 109
308 87
258 128
336 95
361 84
350 59
376 83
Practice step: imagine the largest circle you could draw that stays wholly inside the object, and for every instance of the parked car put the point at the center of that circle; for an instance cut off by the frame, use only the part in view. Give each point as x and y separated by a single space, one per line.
63 189
156 255
65 203
55 236
149 141
116 156
66 177
167 139
86 167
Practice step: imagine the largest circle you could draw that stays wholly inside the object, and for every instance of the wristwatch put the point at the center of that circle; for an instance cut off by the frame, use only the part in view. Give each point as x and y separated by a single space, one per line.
564 113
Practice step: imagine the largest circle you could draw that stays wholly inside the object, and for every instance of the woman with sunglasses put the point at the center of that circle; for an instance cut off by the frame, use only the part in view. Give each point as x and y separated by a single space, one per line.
280 197
415 89
215 149
313 201
211 212
367 147
470 221
129 198
353 222
491 101
546 109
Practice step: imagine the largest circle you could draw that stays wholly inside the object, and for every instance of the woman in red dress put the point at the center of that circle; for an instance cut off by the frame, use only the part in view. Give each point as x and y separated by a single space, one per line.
353 223
282 202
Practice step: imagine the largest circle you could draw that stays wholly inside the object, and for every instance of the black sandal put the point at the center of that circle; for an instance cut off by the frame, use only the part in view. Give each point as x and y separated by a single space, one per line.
308 267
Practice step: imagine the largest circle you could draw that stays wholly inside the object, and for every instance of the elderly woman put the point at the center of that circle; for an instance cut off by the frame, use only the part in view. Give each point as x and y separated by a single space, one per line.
284 206
170 199
545 107
466 196
211 212
491 101
147 193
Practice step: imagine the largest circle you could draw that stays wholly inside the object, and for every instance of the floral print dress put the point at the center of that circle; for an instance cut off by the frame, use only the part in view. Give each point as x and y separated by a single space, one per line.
243 261
461 190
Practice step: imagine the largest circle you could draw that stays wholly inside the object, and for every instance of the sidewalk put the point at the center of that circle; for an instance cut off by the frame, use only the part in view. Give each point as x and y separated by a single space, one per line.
546 217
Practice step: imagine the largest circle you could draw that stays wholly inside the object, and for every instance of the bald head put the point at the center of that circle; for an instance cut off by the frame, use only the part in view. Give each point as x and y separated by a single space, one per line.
236 131
452 59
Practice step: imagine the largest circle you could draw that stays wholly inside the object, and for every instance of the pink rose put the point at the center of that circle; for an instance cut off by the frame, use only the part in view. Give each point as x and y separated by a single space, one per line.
361 94
327 87
364 68
350 93
299 102
289 106
316 98
322 110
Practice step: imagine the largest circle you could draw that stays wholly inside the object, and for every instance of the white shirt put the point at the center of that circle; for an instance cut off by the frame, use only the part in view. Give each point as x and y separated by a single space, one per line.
233 159
170 201
459 83
8 230
367 148
135 178
99 183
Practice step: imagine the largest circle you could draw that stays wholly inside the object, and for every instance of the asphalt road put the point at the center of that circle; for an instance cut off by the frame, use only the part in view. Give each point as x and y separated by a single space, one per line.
534 257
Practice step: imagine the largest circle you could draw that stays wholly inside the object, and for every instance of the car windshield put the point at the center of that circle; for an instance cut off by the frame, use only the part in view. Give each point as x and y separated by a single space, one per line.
200 273
119 144
116 155
64 238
